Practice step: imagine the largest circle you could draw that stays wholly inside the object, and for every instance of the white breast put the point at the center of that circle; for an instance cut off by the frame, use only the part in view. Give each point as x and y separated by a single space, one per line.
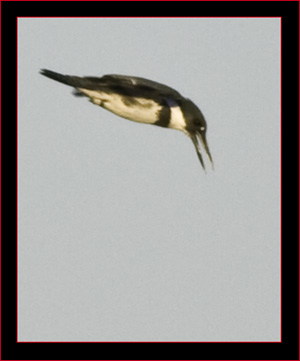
177 120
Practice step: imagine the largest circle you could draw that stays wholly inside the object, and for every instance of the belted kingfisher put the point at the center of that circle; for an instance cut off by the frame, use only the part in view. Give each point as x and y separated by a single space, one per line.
142 100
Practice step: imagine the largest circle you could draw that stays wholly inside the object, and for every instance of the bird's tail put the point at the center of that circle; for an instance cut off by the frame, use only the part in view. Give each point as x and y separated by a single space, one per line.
74 81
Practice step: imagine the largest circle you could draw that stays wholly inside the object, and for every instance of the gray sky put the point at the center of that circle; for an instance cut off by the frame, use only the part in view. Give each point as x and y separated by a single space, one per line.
122 236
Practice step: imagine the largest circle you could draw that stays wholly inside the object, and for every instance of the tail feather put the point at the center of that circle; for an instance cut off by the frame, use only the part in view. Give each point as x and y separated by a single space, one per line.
74 81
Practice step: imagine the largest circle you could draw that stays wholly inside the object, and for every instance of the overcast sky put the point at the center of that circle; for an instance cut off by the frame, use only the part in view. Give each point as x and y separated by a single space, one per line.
122 236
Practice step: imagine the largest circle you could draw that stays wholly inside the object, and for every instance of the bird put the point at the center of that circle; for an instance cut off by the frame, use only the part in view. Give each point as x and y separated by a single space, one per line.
144 101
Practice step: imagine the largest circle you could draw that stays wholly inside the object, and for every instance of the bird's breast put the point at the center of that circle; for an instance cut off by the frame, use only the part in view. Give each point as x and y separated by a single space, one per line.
132 108
177 120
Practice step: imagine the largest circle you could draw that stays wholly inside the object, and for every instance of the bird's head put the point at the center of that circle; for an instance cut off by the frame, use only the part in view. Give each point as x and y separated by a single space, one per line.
196 129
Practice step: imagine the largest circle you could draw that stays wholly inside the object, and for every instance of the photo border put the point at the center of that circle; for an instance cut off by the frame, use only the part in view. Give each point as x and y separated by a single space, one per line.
288 347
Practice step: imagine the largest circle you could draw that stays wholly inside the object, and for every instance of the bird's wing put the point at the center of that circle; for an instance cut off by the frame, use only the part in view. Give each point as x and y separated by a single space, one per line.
132 84
122 84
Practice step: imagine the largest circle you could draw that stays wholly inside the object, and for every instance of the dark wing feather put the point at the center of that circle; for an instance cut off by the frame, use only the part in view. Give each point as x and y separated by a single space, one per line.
131 86
142 83
122 84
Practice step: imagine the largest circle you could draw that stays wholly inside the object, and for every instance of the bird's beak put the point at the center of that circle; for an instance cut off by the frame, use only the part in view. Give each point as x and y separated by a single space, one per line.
194 137
205 146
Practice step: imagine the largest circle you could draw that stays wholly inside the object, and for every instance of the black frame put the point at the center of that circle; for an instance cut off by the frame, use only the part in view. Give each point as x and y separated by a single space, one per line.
288 349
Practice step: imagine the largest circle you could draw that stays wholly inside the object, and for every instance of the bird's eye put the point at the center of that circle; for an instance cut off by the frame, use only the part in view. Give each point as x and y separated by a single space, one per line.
202 128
